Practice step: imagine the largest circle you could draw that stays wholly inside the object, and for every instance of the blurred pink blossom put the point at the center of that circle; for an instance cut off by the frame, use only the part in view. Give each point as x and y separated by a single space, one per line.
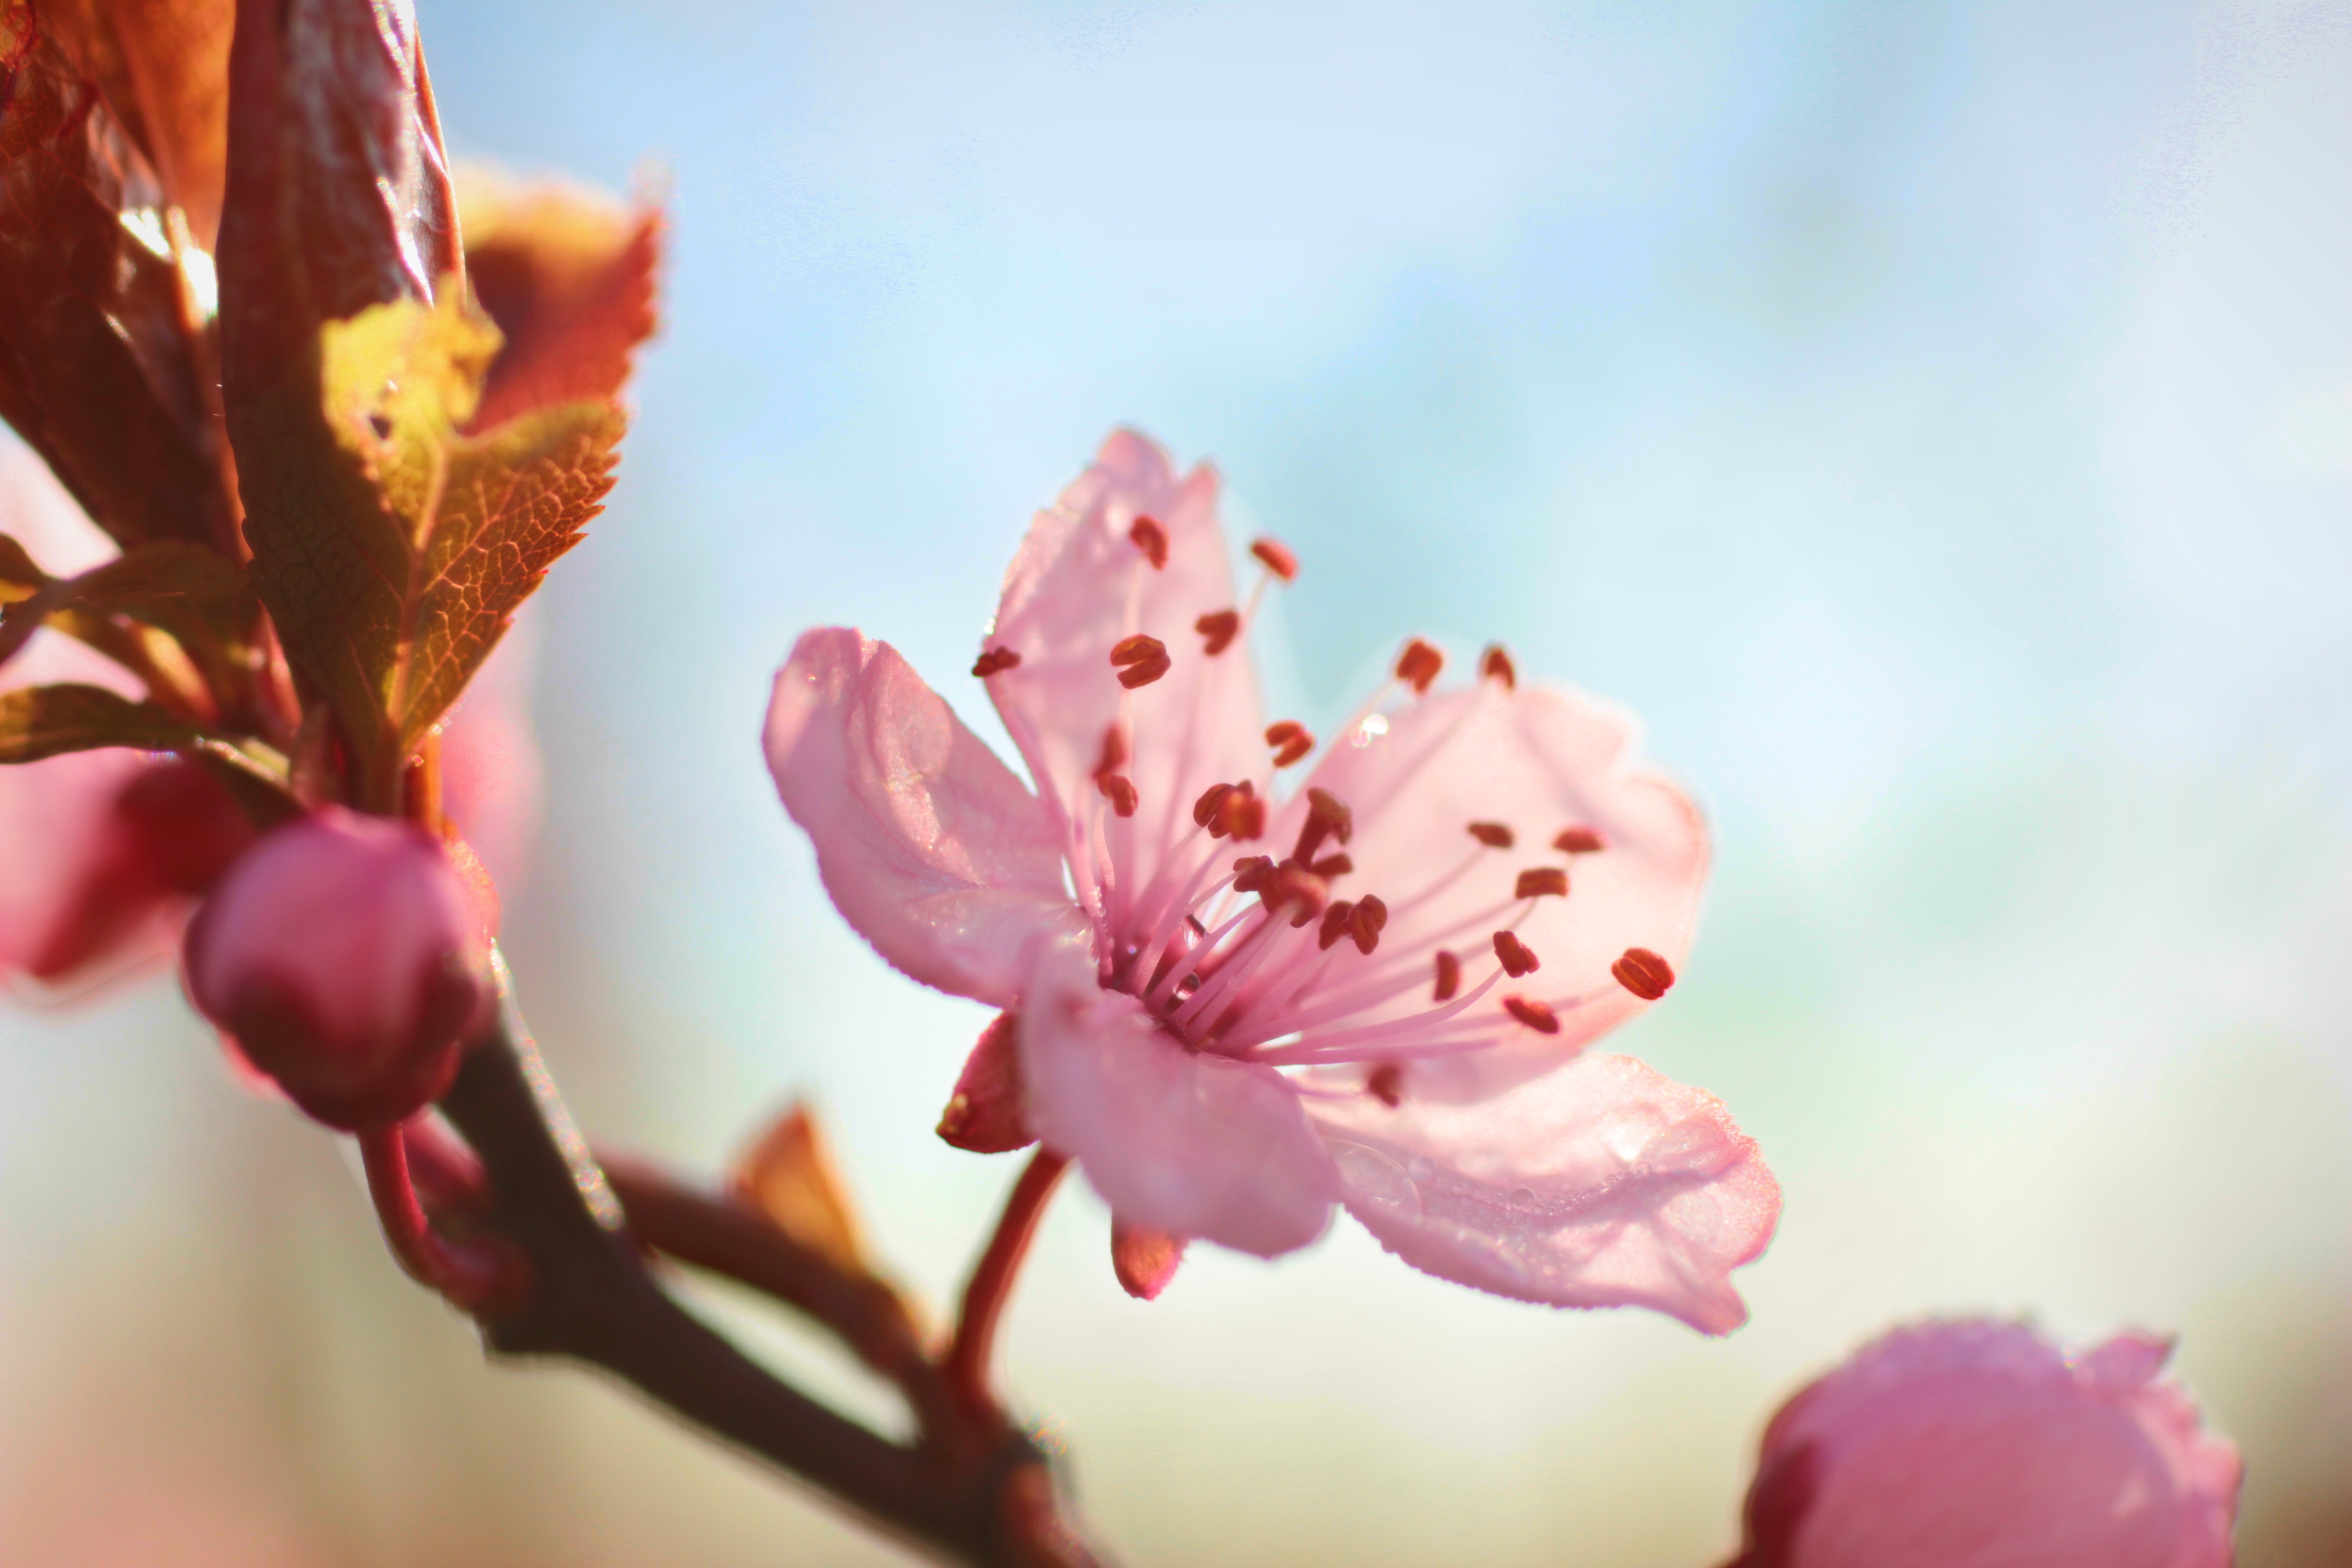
105 851
346 956
1373 989
1981 1445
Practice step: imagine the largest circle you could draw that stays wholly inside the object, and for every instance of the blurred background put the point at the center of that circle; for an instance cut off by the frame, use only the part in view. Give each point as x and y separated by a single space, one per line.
1936 420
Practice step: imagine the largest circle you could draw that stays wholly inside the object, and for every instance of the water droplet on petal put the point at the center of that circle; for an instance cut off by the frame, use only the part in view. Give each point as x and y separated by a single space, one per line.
1421 1168
1375 1180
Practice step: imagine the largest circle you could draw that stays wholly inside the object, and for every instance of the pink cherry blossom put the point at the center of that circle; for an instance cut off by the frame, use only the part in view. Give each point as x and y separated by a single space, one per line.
1238 1002
346 956
1980 1444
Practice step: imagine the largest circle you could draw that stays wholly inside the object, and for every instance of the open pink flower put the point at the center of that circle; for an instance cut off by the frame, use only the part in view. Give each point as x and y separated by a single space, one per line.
1981 1445
1235 1004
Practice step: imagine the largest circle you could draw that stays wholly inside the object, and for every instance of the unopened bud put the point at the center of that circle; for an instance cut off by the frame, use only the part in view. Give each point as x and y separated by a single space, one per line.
349 958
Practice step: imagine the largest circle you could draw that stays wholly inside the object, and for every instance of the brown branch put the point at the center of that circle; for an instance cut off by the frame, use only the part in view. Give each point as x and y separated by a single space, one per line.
592 1300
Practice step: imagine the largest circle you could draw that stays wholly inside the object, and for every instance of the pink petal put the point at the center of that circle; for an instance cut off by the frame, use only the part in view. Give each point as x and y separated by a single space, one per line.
490 770
1079 585
929 845
1952 1445
1601 1184
1535 759
1195 1145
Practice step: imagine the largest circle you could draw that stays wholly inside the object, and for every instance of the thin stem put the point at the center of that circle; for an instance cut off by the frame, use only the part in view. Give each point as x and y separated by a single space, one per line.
992 1276
592 1300
472 1274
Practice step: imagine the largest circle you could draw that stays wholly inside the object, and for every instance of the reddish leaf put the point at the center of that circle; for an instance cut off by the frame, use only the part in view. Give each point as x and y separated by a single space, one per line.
192 593
790 1176
569 278
38 721
101 363
163 68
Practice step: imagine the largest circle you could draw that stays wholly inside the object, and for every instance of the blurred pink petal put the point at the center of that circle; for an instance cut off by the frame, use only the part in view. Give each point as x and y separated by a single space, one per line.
929 844
1601 1184
1980 1444
1190 1142
1465 889
491 775
103 848
346 956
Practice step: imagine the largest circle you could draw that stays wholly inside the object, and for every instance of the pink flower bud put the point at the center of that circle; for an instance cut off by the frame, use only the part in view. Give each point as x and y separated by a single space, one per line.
1957 1443
347 956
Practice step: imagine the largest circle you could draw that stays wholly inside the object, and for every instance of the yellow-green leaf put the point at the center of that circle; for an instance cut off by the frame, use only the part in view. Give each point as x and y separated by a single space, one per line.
38 721
394 560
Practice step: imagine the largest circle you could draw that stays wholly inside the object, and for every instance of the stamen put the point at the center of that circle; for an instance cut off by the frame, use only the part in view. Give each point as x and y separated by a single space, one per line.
1220 628
1140 660
1335 924
1579 841
994 659
1253 873
1153 540
1114 752
1449 976
1204 810
1242 815
1535 1014
1644 972
1289 740
1277 558
1386 1084
1495 665
1493 835
1365 923
1332 866
1295 888
1540 881
1119 790
1517 957
1418 665
1327 816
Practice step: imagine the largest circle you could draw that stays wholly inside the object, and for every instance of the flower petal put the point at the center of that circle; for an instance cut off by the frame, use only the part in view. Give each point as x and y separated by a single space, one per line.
929 845
1080 584
1535 759
1601 1184
1979 1441
1193 1144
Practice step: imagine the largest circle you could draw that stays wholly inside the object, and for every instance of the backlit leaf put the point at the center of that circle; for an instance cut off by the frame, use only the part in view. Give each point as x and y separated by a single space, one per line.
568 276
390 590
163 65
790 1177
185 590
38 721
101 359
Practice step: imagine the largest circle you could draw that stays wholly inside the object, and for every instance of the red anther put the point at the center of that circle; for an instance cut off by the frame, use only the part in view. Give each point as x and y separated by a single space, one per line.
1517 957
995 659
1386 1084
1335 924
1244 816
1644 972
1204 810
1296 890
1252 872
1418 665
1113 753
1538 881
1277 558
1365 923
1119 790
1332 866
1140 660
1449 976
1495 664
1328 816
1493 835
1579 841
1220 628
1535 1014
1153 540
1289 740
